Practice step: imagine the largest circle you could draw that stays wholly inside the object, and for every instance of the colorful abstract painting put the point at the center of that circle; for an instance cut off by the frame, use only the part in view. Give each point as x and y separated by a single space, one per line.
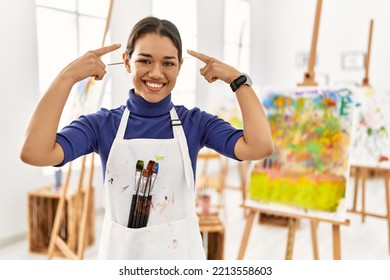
371 139
308 172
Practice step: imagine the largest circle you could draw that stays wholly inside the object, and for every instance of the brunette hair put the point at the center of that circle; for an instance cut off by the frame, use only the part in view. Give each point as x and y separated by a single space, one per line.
154 25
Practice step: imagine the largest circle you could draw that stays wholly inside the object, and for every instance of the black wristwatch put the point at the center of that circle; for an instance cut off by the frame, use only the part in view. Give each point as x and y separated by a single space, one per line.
244 79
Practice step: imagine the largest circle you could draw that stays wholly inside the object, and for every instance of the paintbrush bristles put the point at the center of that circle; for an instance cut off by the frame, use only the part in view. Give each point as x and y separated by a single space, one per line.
154 175
138 169
140 165
155 168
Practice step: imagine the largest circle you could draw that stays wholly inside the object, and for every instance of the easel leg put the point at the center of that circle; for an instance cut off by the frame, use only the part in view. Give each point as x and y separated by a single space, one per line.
364 179
292 226
56 227
336 242
245 237
58 216
313 229
242 171
356 190
388 204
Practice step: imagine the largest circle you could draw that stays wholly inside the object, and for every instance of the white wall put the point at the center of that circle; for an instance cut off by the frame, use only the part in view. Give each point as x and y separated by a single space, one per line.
19 92
210 42
280 28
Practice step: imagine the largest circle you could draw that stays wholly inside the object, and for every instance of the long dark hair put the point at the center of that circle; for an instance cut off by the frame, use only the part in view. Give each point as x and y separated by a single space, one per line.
154 25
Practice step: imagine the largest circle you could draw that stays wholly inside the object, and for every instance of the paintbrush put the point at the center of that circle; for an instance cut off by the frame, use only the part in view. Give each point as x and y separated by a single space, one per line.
145 197
150 193
138 204
138 170
141 195
115 63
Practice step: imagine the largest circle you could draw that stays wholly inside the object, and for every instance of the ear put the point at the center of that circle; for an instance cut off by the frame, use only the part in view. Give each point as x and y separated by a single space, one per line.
126 61
180 64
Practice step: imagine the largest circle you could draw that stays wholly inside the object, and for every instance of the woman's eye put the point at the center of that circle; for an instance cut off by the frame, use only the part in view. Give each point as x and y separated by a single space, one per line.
145 61
168 63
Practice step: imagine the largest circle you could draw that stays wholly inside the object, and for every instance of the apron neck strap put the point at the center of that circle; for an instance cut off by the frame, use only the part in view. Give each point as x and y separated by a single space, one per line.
178 132
120 134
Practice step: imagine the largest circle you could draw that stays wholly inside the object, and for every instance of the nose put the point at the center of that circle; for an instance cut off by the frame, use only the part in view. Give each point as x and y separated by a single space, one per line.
156 71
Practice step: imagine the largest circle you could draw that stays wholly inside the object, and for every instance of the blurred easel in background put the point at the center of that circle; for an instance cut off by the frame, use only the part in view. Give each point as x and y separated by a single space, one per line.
363 171
81 208
293 219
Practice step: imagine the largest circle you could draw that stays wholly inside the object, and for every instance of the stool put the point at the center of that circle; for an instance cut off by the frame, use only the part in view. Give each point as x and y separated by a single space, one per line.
213 233
42 207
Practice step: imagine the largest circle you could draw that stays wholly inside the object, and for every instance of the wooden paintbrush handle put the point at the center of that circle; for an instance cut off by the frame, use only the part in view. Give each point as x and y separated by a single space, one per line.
147 210
137 212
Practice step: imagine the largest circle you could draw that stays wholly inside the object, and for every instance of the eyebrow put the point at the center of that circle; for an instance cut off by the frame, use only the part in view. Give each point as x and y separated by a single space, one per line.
149 55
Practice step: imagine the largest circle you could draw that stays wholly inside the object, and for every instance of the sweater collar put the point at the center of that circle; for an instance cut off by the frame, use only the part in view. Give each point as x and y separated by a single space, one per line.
139 106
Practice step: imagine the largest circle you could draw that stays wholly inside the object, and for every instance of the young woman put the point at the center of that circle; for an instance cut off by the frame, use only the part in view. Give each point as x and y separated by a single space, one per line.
148 128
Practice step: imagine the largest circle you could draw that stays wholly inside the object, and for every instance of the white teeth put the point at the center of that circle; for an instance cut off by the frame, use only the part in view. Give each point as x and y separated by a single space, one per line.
153 85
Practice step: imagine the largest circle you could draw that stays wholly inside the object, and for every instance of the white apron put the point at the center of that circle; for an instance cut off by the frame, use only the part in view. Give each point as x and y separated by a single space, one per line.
173 229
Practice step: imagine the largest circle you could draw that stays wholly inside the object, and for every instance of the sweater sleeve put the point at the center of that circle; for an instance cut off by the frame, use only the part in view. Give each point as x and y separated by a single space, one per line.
83 136
76 139
221 136
204 129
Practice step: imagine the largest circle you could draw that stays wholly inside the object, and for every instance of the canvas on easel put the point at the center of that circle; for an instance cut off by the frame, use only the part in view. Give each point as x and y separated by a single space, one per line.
308 172
371 143
307 176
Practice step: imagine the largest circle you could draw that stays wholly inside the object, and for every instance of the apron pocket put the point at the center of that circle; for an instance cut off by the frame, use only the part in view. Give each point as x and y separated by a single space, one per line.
162 241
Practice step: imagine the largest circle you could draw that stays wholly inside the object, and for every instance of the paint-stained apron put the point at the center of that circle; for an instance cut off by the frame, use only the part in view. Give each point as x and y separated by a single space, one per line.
173 229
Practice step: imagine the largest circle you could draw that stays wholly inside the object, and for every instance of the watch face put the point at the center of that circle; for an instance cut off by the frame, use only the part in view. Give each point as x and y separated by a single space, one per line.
241 80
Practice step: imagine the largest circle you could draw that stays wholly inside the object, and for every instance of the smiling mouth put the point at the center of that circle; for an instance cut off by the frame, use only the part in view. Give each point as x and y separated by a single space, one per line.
154 85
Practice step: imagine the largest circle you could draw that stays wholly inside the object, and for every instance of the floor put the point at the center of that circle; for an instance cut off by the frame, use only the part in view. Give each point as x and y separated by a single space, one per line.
359 241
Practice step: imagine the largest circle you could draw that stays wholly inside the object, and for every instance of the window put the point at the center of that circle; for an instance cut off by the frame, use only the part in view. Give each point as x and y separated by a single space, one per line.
66 30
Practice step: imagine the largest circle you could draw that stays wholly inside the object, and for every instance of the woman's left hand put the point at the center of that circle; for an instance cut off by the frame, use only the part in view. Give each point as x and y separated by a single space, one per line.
215 69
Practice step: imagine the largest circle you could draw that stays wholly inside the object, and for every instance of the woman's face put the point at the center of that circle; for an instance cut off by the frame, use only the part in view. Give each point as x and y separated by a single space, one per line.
154 66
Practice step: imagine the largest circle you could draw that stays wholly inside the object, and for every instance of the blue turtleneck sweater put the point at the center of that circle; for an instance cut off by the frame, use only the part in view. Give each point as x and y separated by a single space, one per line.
96 132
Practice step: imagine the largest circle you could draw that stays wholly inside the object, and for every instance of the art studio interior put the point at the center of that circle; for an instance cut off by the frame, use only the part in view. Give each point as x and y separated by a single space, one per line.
320 70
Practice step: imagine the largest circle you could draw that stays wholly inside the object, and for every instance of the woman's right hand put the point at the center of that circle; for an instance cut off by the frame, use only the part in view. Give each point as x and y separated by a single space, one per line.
89 65
39 146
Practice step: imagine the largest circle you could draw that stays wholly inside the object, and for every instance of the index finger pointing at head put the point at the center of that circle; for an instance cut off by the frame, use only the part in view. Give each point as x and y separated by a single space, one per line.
107 49
199 55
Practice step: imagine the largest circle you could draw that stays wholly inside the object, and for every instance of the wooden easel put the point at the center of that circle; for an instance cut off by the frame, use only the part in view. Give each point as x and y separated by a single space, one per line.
78 229
362 172
291 231
366 81
309 80
309 77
